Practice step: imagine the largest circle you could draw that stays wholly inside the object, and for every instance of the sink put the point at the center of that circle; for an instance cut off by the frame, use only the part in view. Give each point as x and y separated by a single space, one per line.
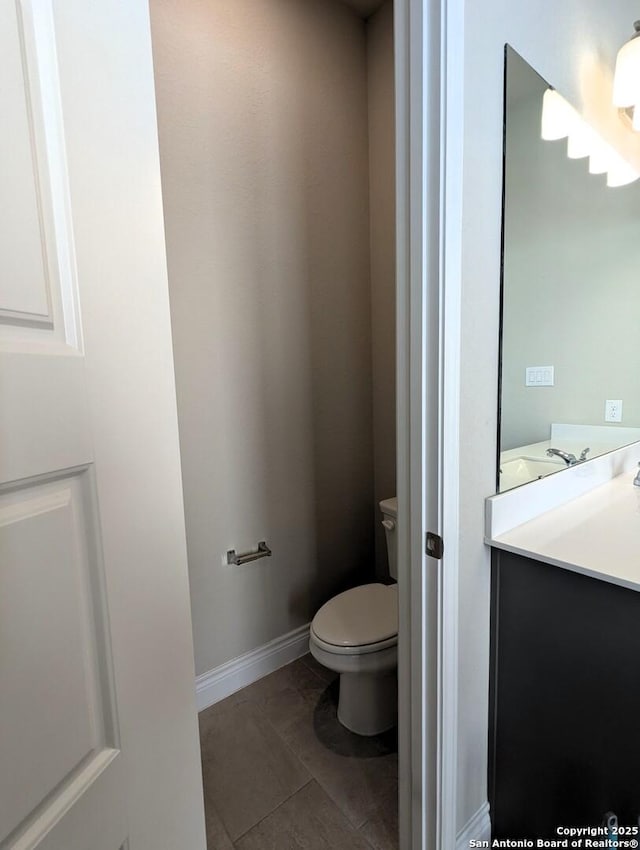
519 470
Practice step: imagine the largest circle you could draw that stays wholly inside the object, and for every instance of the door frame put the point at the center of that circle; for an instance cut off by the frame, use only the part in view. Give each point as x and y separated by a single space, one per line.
429 85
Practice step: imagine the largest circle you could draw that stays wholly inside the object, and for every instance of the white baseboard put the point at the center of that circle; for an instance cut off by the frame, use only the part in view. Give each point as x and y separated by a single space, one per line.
228 678
478 828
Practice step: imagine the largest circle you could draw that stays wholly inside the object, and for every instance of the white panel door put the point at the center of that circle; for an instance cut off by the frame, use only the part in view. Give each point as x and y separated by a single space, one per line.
70 643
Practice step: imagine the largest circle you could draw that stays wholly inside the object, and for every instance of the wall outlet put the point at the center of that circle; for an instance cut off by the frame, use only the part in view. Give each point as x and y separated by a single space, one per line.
539 376
613 410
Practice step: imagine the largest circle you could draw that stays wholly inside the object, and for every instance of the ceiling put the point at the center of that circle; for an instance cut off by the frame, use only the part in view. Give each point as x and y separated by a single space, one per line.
364 7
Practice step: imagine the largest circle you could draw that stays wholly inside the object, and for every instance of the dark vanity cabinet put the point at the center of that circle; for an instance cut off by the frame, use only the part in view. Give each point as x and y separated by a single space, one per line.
564 699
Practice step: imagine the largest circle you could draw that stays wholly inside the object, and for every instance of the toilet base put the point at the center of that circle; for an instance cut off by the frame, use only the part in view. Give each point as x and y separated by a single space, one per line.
368 702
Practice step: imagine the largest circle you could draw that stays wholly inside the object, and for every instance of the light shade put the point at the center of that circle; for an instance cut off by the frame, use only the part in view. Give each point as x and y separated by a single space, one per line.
558 116
600 157
620 172
581 140
626 80
560 120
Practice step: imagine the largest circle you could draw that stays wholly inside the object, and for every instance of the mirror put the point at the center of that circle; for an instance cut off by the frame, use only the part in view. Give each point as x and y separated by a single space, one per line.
570 315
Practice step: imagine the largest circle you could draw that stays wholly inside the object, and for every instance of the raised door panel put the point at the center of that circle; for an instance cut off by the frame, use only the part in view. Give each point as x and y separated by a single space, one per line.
38 291
56 716
43 416
88 814
23 283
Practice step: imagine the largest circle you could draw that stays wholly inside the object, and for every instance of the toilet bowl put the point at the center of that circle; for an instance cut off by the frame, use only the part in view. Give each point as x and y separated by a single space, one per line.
356 635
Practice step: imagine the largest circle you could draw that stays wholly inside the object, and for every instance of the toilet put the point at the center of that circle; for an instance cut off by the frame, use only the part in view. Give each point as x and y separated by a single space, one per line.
356 634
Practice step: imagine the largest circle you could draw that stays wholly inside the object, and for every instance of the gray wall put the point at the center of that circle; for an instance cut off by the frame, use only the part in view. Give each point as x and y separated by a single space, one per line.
382 211
263 141
572 256
573 45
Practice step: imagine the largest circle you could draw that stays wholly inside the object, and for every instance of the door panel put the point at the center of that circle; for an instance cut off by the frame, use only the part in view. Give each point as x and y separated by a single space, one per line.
38 287
54 648
24 294
88 814
44 421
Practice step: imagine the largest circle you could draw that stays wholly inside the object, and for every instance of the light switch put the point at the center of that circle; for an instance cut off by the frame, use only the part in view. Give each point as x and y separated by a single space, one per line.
539 376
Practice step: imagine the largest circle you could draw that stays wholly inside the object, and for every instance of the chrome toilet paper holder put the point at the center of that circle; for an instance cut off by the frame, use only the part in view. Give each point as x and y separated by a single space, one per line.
263 551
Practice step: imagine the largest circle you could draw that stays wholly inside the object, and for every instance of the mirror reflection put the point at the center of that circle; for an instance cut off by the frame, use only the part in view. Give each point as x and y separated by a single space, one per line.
570 329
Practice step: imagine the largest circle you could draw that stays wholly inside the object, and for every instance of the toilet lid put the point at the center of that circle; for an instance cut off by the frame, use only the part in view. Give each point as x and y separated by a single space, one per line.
366 614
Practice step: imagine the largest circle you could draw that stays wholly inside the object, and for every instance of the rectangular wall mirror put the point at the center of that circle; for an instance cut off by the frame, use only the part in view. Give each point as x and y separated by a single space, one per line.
570 318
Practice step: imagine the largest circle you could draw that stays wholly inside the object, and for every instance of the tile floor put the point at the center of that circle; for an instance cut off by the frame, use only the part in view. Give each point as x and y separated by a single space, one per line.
280 772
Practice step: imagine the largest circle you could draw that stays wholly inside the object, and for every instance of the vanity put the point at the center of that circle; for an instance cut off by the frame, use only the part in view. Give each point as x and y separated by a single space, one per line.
564 527
565 678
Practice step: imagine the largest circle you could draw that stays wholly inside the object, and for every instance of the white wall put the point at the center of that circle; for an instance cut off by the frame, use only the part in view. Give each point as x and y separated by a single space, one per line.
571 298
382 211
573 45
263 141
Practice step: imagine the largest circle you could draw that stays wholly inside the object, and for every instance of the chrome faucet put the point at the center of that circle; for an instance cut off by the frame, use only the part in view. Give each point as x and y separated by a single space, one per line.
568 458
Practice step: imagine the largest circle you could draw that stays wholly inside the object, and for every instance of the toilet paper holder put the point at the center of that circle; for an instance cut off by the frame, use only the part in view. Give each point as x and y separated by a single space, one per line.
263 551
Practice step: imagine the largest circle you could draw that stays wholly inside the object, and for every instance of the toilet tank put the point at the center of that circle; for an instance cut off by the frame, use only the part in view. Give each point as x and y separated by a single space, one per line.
389 511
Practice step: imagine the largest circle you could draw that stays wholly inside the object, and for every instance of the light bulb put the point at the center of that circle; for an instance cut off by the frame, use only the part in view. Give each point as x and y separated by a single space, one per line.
626 80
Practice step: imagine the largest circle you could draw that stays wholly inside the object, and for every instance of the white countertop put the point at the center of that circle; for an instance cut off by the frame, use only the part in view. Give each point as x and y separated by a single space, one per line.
596 534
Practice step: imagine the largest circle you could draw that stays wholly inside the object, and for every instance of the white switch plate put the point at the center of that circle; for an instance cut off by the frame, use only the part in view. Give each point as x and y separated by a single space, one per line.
539 376
613 410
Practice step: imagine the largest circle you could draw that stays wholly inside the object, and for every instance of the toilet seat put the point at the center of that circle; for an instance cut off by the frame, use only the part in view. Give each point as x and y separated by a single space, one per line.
359 621
363 649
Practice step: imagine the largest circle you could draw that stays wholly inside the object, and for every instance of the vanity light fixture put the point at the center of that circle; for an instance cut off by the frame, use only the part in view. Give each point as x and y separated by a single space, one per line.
626 79
560 120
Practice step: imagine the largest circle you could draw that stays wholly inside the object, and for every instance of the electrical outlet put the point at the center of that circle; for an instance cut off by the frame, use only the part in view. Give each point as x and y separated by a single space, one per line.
613 410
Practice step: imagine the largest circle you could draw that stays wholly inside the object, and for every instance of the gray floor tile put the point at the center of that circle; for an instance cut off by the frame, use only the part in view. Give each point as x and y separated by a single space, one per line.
214 710
381 830
247 769
286 695
307 821
357 773
217 835
243 737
